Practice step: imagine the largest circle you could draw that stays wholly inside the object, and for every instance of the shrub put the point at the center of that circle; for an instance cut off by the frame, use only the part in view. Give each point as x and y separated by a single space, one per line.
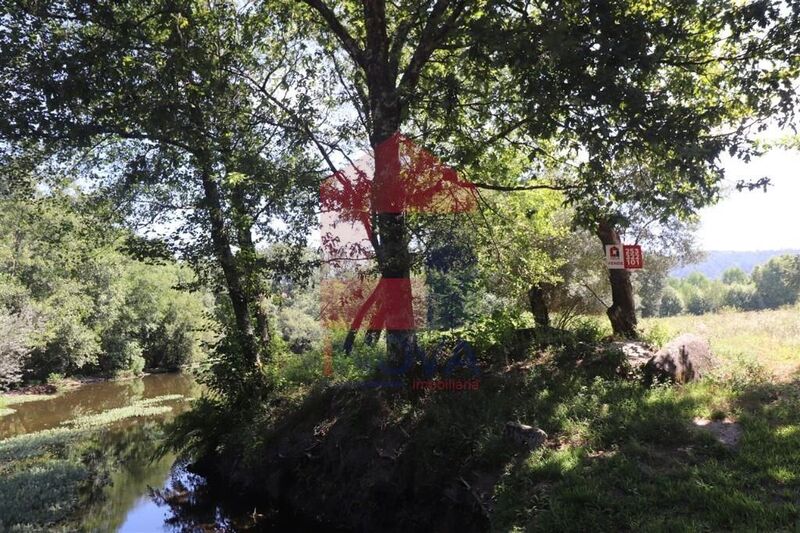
742 297
671 303
588 329
698 302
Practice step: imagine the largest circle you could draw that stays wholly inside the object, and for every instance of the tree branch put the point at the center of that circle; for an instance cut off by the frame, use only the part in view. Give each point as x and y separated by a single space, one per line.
505 188
347 40
432 36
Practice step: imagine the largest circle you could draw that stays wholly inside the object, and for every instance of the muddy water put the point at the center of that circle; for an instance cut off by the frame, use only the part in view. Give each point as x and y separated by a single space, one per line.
127 502
94 398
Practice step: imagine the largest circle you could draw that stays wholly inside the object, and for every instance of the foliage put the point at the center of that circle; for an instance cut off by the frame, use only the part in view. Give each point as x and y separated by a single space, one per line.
778 281
772 285
671 303
73 302
15 337
734 275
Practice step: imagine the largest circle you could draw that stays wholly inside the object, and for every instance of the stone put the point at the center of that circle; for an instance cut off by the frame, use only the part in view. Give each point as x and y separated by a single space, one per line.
529 436
637 353
686 358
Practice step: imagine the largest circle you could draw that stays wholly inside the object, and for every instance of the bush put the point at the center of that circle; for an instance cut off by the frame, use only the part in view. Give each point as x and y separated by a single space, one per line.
699 303
591 330
742 297
671 303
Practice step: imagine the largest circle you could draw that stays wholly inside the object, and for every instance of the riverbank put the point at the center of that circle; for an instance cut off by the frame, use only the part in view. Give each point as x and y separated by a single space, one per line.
618 456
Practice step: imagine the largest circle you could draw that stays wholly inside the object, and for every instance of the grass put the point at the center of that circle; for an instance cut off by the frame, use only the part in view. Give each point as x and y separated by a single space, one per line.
620 456
770 337
14 399
55 473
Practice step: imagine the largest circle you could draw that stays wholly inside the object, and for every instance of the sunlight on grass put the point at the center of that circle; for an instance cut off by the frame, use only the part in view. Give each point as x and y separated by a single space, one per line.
771 337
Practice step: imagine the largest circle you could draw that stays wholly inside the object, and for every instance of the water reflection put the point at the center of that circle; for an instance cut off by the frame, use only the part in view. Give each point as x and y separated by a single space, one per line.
91 399
141 492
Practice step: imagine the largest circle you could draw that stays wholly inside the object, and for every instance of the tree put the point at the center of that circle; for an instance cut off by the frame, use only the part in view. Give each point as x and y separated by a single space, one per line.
522 241
162 92
742 296
778 281
636 105
735 275
671 303
84 305
16 330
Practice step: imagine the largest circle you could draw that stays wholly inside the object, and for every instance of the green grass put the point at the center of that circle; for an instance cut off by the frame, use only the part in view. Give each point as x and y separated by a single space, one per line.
629 458
621 456
770 337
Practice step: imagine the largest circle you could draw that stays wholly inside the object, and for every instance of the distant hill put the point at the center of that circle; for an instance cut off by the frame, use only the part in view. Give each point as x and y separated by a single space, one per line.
717 262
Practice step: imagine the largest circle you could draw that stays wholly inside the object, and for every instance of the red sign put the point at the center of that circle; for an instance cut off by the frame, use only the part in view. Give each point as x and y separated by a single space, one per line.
632 256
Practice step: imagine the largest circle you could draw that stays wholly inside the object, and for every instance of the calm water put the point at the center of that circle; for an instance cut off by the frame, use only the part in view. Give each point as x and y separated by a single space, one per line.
131 500
146 495
95 398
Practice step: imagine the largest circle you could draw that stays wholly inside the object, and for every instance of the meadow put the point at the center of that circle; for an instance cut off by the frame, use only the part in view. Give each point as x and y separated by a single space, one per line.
770 338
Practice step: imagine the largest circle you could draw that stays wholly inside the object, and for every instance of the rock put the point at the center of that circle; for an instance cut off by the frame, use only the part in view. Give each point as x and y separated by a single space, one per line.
686 358
528 435
637 353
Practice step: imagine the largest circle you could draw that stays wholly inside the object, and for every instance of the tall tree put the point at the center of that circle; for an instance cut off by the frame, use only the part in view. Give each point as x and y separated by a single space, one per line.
156 89
613 88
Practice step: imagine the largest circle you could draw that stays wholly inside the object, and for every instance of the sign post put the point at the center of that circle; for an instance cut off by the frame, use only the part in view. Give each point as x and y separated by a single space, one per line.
614 256
624 256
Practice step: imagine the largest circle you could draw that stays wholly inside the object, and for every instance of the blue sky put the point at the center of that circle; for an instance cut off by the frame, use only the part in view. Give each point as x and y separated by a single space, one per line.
756 220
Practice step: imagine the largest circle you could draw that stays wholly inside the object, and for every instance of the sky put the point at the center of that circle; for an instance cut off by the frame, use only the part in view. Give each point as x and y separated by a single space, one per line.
755 220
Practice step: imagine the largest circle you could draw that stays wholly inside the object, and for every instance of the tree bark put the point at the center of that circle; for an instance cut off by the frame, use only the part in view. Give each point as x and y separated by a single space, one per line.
247 250
233 277
622 312
385 111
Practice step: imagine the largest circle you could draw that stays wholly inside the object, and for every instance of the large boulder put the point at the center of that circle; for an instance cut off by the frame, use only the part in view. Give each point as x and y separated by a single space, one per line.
686 358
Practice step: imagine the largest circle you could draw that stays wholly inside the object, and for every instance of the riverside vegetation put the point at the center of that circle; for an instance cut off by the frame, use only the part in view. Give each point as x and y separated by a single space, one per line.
619 454
163 164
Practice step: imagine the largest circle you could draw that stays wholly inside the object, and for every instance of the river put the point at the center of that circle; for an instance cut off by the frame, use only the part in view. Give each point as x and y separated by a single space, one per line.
132 499
144 492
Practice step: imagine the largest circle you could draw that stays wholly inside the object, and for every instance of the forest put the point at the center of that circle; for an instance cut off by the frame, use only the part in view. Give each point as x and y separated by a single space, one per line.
346 262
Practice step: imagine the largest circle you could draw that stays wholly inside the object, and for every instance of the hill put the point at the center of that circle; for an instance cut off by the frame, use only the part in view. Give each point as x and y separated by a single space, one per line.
717 262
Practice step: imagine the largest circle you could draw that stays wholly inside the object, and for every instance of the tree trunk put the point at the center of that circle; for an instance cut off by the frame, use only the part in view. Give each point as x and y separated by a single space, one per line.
393 257
537 299
622 312
233 277
247 261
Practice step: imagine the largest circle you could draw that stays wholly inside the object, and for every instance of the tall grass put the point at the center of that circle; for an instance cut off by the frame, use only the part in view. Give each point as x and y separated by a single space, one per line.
769 337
